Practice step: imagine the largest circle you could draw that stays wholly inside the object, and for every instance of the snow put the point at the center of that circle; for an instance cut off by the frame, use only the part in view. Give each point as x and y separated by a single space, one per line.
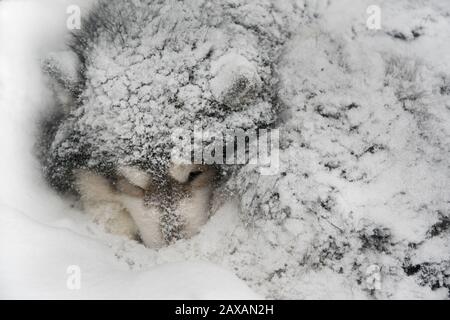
364 172
41 270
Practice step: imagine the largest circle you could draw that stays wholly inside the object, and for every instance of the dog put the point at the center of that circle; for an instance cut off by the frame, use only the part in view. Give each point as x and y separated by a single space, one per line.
134 72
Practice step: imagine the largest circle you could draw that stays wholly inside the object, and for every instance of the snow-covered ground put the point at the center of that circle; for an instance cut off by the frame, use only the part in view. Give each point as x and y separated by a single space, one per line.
373 220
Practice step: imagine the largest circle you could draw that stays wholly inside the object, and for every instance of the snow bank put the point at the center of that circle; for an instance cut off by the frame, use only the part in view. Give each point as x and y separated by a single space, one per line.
38 262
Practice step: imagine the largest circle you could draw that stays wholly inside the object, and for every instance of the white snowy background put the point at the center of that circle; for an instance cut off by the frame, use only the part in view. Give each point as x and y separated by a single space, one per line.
400 180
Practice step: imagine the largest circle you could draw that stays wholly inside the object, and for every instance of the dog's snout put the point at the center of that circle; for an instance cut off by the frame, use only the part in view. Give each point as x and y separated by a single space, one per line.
165 206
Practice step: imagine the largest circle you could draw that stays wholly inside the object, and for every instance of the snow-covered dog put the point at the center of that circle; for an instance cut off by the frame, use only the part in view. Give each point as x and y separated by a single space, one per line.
139 70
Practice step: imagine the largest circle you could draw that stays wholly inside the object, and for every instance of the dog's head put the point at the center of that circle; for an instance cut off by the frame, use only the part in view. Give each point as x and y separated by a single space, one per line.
138 70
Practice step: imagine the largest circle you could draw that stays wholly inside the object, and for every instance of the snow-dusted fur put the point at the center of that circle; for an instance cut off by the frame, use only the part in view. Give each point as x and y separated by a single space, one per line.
141 73
359 207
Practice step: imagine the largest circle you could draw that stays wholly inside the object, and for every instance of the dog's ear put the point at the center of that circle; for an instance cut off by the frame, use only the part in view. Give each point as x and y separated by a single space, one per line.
63 67
235 81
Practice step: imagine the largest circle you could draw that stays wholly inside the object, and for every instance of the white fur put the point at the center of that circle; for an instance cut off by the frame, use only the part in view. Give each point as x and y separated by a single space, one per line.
147 218
135 176
125 214
195 210
103 205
